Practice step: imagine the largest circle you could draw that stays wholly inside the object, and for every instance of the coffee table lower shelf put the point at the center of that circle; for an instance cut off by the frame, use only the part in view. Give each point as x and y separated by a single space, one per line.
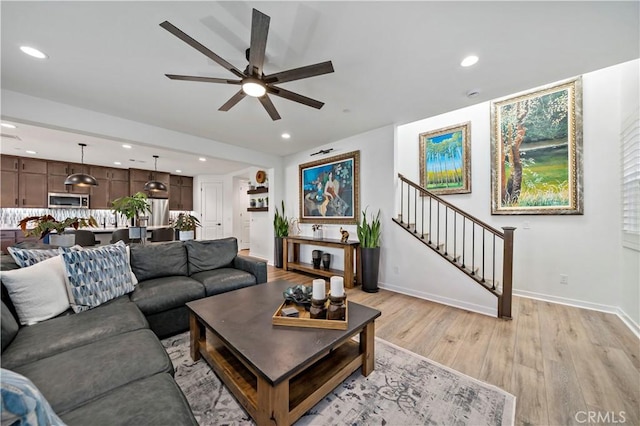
285 402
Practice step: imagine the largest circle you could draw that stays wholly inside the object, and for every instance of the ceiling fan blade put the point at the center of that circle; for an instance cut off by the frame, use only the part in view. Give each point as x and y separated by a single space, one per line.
299 73
259 32
268 105
199 47
277 91
231 102
202 79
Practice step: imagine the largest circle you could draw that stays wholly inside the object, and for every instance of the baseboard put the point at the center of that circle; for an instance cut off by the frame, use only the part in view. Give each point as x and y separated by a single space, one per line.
626 319
443 300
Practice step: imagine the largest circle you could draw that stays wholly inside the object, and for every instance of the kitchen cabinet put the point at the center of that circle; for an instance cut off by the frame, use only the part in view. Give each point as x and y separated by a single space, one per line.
24 182
138 177
112 183
58 172
181 193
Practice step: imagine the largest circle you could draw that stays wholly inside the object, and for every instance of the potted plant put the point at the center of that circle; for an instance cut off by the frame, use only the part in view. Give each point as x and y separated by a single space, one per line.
260 202
369 236
46 224
186 224
281 230
132 207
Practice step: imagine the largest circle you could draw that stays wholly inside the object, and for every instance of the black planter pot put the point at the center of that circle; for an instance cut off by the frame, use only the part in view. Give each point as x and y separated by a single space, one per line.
370 268
277 252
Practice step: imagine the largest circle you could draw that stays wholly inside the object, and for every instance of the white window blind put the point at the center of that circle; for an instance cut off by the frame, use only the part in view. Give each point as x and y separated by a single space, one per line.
630 139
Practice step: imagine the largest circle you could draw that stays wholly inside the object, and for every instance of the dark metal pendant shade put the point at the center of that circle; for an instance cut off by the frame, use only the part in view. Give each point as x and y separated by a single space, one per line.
154 185
81 179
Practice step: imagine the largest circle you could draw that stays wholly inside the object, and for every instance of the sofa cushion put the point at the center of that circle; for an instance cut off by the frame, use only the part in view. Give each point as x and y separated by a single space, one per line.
211 254
9 326
223 280
156 400
162 294
158 260
72 378
66 332
97 275
23 403
38 292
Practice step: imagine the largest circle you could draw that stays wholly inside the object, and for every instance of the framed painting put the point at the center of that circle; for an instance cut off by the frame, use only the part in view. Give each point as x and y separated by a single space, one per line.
445 160
330 190
536 151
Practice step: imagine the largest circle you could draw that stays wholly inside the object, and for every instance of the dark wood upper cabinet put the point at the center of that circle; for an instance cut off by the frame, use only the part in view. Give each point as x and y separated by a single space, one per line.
24 182
58 172
9 176
138 178
181 193
112 183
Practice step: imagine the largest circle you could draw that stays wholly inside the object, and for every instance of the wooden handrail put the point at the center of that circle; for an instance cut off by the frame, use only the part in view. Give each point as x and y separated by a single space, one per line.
451 206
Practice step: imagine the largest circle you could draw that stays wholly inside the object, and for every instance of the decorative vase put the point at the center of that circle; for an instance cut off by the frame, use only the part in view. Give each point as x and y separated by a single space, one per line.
62 240
336 310
252 203
316 256
326 260
370 269
137 233
186 235
317 234
278 251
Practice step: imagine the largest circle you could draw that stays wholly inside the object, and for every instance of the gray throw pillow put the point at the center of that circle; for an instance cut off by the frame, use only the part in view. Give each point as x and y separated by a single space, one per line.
211 254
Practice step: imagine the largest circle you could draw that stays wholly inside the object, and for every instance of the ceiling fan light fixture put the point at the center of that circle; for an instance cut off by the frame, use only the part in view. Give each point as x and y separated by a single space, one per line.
81 179
155 185
253 87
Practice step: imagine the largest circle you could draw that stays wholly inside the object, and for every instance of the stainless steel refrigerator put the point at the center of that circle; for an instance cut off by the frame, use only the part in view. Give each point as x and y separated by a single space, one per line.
159 215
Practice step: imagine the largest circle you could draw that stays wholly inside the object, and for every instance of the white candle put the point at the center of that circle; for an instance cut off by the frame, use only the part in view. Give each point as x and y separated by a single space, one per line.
337 286
318 290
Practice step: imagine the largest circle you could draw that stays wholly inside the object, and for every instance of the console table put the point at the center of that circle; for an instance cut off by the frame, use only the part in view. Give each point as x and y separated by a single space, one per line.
351 250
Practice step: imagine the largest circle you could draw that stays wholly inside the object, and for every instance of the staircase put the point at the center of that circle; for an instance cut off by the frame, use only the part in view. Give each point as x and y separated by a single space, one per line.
480 251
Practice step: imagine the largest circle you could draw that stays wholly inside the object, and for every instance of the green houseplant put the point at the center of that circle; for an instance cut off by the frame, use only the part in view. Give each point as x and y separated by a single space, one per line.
186 224
369 236
46 224
281 230
132 207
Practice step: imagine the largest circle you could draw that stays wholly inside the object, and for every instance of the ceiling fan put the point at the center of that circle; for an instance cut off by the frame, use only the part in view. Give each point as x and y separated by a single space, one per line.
252 81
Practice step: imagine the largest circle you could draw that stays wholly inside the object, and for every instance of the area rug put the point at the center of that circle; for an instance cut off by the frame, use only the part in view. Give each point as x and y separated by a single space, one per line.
404 389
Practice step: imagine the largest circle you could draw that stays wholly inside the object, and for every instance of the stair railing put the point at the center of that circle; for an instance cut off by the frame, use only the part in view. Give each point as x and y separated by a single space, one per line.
482 252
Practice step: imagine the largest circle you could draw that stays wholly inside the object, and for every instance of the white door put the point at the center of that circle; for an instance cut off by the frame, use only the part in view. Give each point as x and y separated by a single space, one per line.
244 216
211 210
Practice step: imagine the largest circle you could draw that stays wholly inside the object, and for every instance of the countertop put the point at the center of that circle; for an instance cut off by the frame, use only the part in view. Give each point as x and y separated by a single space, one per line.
98 230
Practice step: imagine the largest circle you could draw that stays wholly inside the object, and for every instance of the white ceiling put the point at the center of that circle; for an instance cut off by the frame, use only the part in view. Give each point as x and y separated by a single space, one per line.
395 62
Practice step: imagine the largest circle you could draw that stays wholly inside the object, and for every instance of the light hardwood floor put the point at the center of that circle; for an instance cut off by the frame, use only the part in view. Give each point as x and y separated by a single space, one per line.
560 362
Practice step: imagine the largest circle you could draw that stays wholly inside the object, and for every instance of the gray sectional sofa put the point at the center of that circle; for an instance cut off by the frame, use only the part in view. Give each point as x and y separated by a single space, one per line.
107 365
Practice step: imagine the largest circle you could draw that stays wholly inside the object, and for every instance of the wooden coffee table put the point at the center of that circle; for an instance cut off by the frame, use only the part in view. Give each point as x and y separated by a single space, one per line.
276 373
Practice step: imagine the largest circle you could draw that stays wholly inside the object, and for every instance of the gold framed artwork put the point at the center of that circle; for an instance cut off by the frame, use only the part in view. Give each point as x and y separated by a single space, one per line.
536 151
445 160
330 189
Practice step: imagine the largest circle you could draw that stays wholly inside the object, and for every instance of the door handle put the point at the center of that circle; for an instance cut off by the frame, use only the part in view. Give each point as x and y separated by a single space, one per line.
218 224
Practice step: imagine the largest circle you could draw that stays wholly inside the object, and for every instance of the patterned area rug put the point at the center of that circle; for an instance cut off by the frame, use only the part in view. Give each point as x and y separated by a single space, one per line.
404 389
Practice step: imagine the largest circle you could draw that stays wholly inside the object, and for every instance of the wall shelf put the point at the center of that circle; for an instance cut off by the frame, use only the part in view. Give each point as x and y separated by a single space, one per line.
258 209
259 190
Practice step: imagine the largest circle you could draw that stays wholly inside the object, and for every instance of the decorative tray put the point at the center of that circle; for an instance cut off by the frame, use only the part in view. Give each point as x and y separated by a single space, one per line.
304 320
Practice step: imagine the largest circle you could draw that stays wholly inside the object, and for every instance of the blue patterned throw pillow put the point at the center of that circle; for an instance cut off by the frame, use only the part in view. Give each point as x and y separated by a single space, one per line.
95 276
22 402
28 257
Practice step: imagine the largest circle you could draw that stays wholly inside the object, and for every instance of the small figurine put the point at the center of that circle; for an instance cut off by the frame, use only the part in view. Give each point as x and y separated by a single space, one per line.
345 235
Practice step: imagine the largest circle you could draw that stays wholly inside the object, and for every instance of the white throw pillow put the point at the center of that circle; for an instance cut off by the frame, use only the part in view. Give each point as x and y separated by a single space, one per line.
38 292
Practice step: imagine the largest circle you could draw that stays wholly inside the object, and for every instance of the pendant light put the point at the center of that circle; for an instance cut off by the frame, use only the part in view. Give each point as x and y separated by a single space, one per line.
154 185
81 179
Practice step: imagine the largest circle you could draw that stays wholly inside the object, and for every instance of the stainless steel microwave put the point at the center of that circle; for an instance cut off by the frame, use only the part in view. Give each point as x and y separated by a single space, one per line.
68 201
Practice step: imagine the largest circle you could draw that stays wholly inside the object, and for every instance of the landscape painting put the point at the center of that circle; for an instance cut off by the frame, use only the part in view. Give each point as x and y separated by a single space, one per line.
329 190
445 160
536 145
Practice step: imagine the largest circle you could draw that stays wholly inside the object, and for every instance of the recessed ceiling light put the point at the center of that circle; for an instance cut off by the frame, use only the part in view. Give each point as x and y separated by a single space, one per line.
178 171
286 136
469 60
125 146
8 125
202 159
31 51
117 163
30 152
